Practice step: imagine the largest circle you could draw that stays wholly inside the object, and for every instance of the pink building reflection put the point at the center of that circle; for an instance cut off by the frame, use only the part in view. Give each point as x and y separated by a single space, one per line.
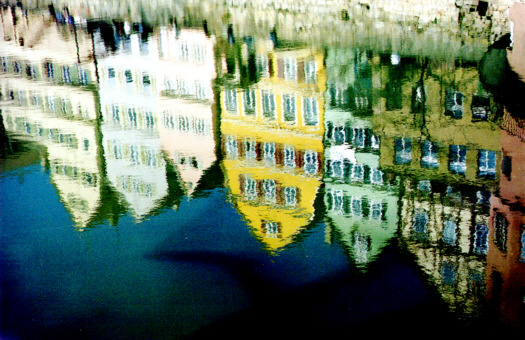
506 255
516 56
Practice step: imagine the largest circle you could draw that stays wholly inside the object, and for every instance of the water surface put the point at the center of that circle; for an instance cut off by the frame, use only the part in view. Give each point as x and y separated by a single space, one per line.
174 177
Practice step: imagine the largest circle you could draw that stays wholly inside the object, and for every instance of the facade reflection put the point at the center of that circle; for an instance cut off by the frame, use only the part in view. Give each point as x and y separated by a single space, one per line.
272 140
439 139
505 266
47 101
360 199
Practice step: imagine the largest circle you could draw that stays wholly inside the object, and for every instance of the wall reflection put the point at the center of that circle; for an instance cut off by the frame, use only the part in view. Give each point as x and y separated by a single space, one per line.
396 147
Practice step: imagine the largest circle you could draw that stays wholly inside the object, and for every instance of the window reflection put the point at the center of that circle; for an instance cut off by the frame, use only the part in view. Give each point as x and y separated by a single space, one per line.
403 149
481 239
310 111
522 257
249 102
289 108
429 157
458 159
449 232
268 104
500 231
454 104
487 163
419 225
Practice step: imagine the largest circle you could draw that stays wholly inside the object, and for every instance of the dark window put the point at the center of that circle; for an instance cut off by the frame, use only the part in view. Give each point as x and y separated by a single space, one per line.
129 76
454 104
506 167
480 107
481 243
500 231
458 159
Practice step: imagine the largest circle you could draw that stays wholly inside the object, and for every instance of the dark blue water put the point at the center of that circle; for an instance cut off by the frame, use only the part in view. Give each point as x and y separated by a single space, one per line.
178 180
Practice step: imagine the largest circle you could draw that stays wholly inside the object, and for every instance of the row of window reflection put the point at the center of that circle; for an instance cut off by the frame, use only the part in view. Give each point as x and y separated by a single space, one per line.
287 68
181 123
88 179
269 191
457 157
454 105
357 98
65 74
187 161
77 203
273 154
134 185
127 77
272 229
449 233
291 69
188 51
135 154
131 118
359 138
182 49
193 88
353 172
361 207
249 107
58 106
480 236
449 271
70 140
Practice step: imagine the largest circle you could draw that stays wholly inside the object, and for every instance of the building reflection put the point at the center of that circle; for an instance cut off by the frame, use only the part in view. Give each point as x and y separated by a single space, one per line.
48 101
439 138
360 199
157 108
156 102
105 146
506 254
272 139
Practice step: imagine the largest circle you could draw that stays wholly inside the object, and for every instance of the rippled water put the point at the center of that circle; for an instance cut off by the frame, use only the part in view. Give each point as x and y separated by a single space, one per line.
202 177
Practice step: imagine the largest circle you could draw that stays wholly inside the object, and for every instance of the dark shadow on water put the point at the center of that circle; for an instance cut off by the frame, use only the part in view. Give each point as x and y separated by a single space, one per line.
380 302
343 304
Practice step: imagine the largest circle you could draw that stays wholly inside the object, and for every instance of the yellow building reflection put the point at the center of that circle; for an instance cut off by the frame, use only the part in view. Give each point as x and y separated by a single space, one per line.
273 143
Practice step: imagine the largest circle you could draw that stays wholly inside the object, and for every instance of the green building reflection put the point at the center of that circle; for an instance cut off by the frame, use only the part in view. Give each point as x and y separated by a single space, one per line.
361 200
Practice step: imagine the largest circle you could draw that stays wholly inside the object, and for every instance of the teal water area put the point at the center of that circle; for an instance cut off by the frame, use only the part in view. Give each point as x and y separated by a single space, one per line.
176 274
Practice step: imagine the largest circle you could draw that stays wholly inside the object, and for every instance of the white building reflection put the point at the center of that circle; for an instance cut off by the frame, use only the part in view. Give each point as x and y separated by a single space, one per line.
156 102
45 114
45 74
